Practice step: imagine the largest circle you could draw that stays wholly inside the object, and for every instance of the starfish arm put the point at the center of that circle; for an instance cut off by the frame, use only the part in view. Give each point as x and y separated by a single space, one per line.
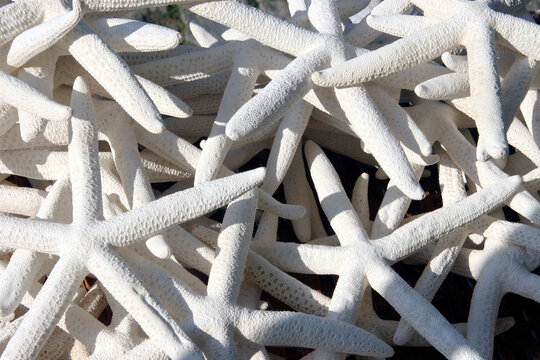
134 178
232 249
41 37
133 35
410 78
114 75
239 89
446 219
285 287
30 234
301 258
332 197
17 17
515 85
284 36
399 25
522 202
267 229
291 85
297 192
117 277
188 67
371 127
446 249
418 312
359 200
41 319
20 200
400 122
520 137
285 211
480 43
212 84
360 34
397 56
483 312
285 144
295 329
83 157
18 94
524 283
444 87
526 40
182 206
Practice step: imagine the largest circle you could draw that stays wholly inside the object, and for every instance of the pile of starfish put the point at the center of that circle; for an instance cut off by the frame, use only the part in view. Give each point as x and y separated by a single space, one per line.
96 108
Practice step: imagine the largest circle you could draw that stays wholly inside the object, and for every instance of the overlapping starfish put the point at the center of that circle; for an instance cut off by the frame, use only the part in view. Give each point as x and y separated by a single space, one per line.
82 172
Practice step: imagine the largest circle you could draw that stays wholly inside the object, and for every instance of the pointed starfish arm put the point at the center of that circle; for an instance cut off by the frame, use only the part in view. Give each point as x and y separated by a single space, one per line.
118 278
444 87
418 312
182 206
483 311
414 235
238 91
83 157
296 329
18 94
333 199
233 242
286 141
267 107
114 75
285 211
41 37
397 56
269 30
133 35
483 74
48 307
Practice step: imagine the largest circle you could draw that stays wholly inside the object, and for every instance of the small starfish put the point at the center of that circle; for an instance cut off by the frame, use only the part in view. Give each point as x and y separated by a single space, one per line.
467 23
92 238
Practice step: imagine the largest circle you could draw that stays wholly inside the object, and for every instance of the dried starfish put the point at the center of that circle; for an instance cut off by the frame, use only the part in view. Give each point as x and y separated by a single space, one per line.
404 240
94 245
468 23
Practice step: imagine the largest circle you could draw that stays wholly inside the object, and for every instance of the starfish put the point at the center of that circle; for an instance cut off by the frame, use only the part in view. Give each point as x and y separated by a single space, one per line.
467 23
374 266
92 239
216 318
315 51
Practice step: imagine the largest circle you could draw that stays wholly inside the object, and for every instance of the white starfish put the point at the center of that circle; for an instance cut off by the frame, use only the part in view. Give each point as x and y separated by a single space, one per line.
467 23
355 245
90 238
315 51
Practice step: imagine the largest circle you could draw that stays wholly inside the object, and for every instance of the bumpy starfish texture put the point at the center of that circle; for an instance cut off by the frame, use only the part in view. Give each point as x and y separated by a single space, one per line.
84 170
90 238
445 26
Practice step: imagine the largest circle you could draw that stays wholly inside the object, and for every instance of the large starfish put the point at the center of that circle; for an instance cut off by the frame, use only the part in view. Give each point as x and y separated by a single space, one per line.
468 23
90 238
315 51
374 266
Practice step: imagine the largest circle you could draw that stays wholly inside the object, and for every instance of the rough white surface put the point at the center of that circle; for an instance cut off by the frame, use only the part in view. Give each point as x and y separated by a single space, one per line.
82 96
